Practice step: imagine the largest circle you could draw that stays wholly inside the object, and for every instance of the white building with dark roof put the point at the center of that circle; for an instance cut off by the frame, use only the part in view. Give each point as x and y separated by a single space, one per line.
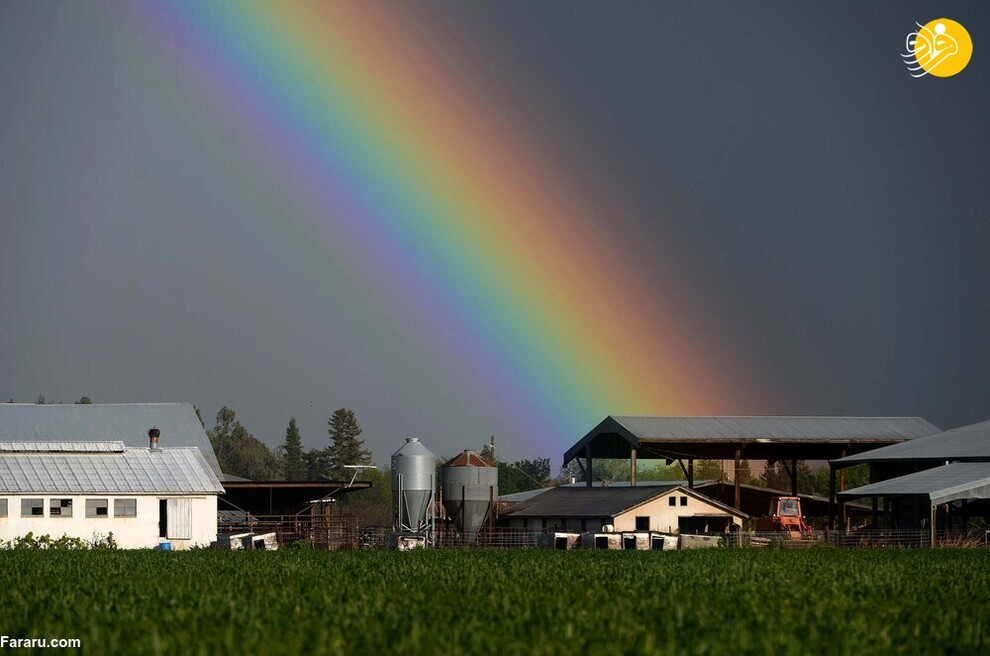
88 490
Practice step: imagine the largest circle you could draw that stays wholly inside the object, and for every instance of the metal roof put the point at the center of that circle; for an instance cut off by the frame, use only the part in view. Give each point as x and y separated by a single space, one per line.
568 501
959 480
469 459
132 471
125 422
62 447
966 443
756 430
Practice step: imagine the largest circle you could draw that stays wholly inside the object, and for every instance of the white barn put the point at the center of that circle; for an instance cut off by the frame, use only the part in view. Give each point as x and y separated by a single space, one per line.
143 496
664 508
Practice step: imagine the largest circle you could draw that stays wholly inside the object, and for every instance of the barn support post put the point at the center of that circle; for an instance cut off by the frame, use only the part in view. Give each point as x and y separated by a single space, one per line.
587 459
831 496
875 514
794 475
690 473
632 467
934 515
843 511
735 479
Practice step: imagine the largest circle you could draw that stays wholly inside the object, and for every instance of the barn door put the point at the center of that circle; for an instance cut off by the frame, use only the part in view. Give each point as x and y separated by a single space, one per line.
179 519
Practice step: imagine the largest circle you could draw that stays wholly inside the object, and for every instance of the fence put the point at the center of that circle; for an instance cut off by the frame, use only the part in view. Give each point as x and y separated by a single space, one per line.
321 531
902 538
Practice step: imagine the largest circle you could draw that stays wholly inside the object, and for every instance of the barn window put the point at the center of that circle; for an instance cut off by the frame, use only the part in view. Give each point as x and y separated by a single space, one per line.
32 507
642 523
672 501
97 507
60 508
3 507
683 501
125 507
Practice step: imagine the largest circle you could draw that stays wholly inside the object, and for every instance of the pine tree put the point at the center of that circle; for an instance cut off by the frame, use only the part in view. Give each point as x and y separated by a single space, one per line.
345 447
293 464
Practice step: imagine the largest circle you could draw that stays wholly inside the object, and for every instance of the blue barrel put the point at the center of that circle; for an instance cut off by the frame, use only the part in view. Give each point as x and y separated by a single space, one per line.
165 546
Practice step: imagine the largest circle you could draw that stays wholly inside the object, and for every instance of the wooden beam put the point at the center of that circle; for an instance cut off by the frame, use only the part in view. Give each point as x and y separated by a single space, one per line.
632 467
831 497
690 473
735 479
587 457
794 475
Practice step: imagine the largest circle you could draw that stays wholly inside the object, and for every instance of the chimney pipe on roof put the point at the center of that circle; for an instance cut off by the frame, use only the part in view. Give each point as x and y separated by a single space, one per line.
153 436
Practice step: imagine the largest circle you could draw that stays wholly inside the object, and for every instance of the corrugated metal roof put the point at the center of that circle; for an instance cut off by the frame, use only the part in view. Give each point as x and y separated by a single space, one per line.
62 447
126 422
970 442
133 471
959 480
569 501
690 432
776 428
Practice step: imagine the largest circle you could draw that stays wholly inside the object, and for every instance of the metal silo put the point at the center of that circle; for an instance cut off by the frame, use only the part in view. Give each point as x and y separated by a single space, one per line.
469 488
414 470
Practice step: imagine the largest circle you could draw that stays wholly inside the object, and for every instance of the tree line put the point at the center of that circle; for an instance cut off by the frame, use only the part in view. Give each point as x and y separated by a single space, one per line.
242 454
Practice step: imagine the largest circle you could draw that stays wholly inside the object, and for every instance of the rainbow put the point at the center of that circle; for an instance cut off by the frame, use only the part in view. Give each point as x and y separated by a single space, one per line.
461 218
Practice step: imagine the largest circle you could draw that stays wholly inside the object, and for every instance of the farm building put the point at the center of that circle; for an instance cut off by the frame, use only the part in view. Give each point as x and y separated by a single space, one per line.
101 422
773 439
661 508
88 490
937 482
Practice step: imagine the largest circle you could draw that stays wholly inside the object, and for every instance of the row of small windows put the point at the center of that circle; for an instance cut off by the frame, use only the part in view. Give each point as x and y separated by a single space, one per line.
672 501
63 507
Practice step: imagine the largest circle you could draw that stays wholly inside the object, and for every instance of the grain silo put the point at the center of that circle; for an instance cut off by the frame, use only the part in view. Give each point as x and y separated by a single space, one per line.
469 489
414 470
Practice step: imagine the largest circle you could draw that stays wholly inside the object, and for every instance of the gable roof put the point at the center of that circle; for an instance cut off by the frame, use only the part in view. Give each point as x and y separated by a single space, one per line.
637 431
566 501
123 422
966 443
128 471
958 480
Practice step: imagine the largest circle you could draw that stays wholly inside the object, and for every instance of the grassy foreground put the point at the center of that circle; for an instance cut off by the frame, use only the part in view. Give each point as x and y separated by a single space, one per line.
519 601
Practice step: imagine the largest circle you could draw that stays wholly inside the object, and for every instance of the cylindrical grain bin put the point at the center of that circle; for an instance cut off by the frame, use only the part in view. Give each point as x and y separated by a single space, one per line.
414 474
469 485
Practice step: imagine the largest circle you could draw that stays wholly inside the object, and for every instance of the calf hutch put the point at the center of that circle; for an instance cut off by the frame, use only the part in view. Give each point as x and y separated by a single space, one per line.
663 509
144 496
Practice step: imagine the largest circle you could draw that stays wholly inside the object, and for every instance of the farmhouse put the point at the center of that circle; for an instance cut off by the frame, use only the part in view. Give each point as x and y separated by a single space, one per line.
660 508
143 496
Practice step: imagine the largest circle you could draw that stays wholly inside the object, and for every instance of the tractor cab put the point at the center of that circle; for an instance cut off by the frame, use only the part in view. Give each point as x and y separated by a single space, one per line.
785 517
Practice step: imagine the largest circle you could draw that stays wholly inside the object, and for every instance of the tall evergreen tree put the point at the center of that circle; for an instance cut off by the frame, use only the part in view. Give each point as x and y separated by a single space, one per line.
239 452
345 447
293 463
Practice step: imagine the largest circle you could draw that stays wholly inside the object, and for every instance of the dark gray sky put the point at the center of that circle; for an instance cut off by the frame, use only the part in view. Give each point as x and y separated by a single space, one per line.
825 212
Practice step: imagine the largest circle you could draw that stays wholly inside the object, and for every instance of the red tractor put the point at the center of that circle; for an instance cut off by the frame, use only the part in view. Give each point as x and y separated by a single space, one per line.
785 517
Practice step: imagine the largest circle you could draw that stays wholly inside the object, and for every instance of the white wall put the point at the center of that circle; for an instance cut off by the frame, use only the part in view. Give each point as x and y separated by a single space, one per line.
663 516
136 532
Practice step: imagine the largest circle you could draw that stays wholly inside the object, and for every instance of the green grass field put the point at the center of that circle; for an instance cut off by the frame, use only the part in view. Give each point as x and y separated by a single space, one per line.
516 602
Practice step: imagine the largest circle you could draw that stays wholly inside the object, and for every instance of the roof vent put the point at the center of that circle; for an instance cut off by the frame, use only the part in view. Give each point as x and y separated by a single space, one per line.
153 436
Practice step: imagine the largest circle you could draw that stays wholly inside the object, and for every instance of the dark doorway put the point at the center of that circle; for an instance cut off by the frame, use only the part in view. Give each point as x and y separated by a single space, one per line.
163 518
560 543
629 542
601 542
703 525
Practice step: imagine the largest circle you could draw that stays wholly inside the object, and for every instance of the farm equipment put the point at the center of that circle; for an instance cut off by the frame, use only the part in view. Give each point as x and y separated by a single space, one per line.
785 517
